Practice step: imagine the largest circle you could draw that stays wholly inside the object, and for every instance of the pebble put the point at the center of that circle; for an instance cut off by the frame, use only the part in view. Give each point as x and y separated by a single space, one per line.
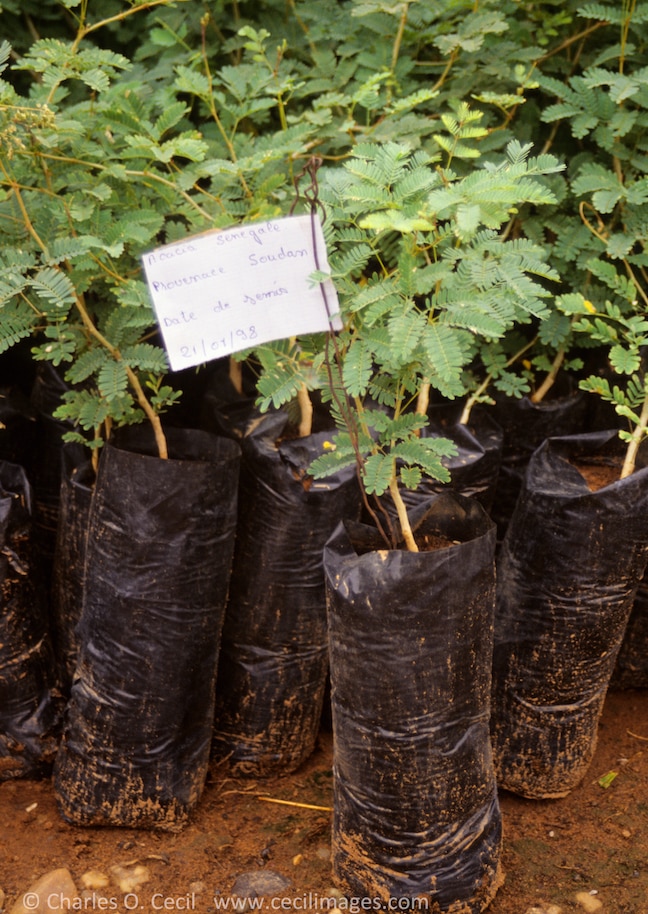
58 882
129 878
2 899
260 882
545 909
589 903
94 879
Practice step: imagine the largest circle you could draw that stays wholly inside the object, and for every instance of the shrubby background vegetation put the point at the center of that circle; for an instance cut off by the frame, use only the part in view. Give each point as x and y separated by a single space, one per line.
128 124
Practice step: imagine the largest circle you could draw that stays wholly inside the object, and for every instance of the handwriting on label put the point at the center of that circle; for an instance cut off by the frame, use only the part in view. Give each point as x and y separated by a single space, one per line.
210 348
180 282
225 291
256 260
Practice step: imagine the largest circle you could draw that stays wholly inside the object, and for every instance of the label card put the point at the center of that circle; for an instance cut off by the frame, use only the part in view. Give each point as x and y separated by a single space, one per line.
233 289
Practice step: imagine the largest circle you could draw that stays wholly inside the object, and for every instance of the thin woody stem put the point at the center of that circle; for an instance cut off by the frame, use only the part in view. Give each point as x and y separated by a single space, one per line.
133 380
305 412
403 519
423 399
23 210
399 35
550 377
84 30
474 398
638 435
133 173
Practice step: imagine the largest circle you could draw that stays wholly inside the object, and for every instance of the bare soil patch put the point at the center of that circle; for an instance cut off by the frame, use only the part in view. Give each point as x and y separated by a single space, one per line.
592 844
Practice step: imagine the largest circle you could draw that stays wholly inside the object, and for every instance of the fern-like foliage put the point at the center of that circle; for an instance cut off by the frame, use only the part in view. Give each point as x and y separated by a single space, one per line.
434 278
621 326
107 155
285 367
54 290
80 200
16 323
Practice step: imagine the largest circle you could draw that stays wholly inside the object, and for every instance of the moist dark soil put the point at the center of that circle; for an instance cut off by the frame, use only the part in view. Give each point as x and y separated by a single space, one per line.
597 475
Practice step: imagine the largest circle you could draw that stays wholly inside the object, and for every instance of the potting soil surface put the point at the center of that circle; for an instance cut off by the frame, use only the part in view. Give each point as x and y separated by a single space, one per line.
586 852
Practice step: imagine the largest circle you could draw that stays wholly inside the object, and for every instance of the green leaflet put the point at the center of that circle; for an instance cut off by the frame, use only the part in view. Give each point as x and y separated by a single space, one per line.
16 323
55 291
112 380
378 470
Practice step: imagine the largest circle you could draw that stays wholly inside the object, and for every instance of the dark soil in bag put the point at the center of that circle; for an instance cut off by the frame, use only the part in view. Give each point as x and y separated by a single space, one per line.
416 811
274 659
568 571
135 747
30 703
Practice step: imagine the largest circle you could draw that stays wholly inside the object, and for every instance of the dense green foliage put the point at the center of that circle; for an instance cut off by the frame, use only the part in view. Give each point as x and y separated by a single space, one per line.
127 124
424 276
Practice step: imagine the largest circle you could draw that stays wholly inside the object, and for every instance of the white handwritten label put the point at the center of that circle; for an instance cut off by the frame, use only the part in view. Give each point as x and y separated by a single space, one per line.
228 290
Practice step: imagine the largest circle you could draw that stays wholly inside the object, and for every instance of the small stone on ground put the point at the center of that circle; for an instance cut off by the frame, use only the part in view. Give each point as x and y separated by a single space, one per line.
589 903
57 883
260 882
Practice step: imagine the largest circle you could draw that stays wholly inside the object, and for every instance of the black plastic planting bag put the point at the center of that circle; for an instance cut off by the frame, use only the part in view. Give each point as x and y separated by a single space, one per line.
47 460
631 670
525 425
415 801
30 705
68 569
17 427
225 410
274 659
474 469
136 742
567 575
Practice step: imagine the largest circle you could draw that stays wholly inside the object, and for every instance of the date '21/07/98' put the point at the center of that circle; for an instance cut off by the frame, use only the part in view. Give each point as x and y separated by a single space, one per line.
208 347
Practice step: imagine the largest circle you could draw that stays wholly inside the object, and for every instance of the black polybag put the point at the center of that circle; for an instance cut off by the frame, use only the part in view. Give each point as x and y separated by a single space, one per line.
631 670
136 742
474 469
68 567
17 427
274 659
30 702
416 811
47 460
525 425
568 571
225 410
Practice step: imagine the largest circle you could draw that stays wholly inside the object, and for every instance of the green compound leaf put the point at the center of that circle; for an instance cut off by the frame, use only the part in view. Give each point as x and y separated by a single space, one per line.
55 290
